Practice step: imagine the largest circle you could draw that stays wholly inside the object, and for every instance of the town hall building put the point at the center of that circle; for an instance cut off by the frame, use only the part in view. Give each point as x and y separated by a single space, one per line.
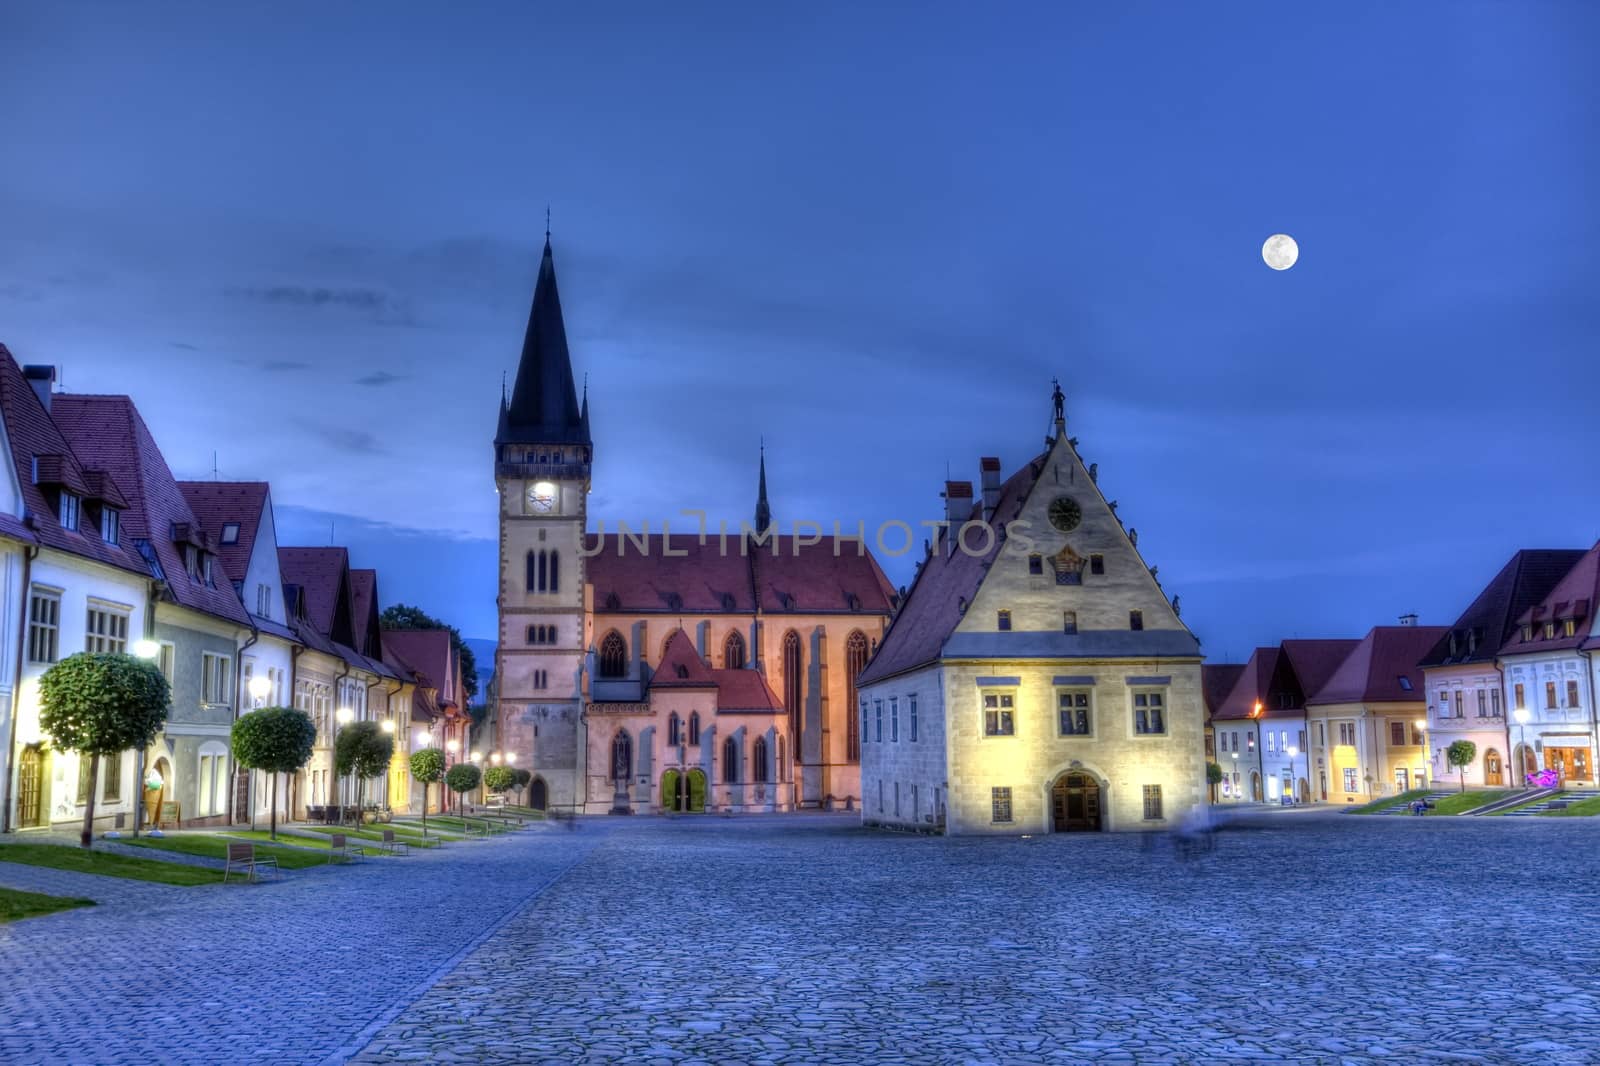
658 671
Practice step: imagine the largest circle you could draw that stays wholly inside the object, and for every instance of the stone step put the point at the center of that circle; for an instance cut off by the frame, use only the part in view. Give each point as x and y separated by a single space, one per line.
1564 798
1405 808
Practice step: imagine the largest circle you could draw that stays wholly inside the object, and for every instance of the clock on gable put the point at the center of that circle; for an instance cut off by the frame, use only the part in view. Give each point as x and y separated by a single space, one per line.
1065 514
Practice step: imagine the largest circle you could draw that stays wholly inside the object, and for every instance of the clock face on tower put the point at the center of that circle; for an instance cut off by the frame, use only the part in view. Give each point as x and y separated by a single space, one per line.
1065 514
542 498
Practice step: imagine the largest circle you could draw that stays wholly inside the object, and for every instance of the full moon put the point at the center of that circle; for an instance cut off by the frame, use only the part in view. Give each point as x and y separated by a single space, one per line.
1280 251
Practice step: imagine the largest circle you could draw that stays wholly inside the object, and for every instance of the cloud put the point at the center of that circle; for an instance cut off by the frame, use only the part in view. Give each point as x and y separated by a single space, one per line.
381 377
353 441
280 365
384 307
184 345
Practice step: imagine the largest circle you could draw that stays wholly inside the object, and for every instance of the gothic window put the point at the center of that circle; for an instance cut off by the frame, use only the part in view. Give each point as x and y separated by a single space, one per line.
781 770
758 761
793 689
555 572
621 756
543 575
855 661
733 655
613 655
694 728
533 572
730 761
674 728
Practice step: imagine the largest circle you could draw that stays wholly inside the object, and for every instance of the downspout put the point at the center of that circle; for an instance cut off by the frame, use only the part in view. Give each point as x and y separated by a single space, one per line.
138 761
388 700
238 702
1594 725
333 748
295 651
16 682
1510 712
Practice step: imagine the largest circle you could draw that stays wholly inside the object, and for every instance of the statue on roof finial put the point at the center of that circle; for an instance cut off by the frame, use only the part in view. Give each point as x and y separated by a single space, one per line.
1060 400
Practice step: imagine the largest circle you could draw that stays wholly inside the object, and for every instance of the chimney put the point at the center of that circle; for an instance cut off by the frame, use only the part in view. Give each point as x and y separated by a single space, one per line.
957 509
41 378
989 478
1408 619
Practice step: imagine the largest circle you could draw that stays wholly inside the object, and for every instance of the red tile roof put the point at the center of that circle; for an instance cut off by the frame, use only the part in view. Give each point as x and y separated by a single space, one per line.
31 431
428 654
1575 596
107 433
1382 668
737 690
1278 678
1218 680
718 578
220 503
322 576
1251 687
1314 661
945 581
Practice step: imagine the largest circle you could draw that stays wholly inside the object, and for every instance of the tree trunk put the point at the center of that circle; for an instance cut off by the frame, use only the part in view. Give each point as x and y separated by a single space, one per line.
1463 778
424 810
274 832
87 838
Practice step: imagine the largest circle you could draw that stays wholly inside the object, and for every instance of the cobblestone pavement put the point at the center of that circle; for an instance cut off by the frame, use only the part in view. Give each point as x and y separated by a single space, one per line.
1311 939
303 969
1315 939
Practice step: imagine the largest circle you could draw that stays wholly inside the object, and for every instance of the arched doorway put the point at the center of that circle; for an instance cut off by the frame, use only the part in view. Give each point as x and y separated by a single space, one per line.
1493 771
30 787
1304 791
1075 803
1255 786
538 794
683 793
1530 761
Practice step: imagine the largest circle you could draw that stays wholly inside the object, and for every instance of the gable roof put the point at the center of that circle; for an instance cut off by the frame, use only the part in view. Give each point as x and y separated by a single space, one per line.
1382 668
1573 598
1491 620
31 432
108 434
218 504
737 690
428 654
1279 678
679 574
364 611
322 576
944 583
1218 679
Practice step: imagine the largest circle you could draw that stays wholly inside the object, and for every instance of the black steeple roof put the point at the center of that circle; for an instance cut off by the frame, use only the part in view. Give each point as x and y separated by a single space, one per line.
763 512
544 402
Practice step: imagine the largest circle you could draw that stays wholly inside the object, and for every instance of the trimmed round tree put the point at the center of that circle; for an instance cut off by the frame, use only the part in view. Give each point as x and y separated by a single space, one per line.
101 705
427 766
462 778
277 740
363 749
521 779
1213 778
1459 755
499 779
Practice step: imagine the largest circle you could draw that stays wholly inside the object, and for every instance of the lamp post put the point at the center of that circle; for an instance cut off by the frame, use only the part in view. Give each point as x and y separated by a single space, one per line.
1235 781
1522 714
425 740
1421 725
387 725
1294 753
148 650
258 688
341 717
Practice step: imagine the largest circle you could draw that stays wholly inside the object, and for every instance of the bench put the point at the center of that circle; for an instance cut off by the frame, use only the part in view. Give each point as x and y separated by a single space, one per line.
393 844
242 857
470 826
339 846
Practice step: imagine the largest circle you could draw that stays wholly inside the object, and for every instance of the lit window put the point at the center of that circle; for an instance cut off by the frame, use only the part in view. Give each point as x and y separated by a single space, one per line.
1073 707
1149 712
1000 804
999 718
1152 803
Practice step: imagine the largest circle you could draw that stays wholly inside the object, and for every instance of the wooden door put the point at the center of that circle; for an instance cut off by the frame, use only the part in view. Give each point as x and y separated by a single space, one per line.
30 787
1075 803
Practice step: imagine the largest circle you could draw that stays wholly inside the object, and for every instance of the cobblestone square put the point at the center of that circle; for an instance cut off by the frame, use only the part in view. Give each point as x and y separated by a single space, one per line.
1304 938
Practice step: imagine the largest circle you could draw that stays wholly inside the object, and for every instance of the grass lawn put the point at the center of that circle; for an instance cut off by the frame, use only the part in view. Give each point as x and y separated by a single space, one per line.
1389 801
263 836
402 831
1462 802
67 857
526 812
15 904
216 847
1582 809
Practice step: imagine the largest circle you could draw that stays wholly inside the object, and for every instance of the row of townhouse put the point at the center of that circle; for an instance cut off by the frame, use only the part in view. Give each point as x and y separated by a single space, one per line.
103 550
1348 721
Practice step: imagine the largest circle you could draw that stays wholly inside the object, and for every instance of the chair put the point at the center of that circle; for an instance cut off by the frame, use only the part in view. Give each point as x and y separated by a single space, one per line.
393 844
242 858
339 846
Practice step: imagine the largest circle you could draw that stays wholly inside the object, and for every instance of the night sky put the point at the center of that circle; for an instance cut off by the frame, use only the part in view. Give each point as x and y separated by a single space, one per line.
304 238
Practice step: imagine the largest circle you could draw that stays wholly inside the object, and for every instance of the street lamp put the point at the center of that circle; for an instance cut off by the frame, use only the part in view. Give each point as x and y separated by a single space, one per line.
474 756
341 717
387 725
424 739
1522 714
148 650
260 688
1235 782
1427 754
494 757
1294 753
511 758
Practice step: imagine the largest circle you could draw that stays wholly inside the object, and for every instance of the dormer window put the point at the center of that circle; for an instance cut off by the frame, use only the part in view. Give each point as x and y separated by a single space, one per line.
1569 628
1549 630
230 532
191 560
110 524
70 506
1527 634
205 567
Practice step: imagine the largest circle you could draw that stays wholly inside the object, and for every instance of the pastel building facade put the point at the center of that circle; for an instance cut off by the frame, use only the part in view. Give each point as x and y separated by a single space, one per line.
1036 679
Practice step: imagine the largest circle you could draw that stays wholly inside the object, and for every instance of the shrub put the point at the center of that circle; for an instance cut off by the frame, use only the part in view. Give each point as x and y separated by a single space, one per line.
499 778
275 739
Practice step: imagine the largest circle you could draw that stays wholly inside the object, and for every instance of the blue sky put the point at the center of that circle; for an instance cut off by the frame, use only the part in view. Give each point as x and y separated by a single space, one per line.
304 237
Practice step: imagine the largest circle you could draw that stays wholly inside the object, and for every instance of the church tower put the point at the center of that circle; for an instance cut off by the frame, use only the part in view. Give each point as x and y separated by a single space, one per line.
542 457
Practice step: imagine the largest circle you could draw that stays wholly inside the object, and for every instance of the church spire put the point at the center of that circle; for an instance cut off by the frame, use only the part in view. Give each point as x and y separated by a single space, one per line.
763 511
544 404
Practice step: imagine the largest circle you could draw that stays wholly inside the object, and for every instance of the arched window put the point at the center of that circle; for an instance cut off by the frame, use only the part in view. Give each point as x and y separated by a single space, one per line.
613 655
733 654
621 756
793 686
855 661
730 761
694 728
674 727
533 572
542 575
758 760
555 572
783 770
